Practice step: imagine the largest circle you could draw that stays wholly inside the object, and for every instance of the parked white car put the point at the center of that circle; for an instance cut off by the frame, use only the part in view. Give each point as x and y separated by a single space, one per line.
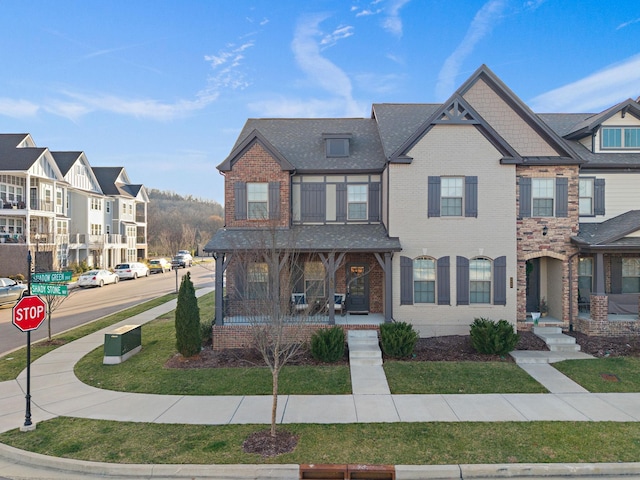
131 270
11 291
97 278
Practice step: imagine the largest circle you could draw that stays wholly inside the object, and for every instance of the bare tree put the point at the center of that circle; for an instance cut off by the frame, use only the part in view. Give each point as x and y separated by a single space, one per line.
53 302
261 291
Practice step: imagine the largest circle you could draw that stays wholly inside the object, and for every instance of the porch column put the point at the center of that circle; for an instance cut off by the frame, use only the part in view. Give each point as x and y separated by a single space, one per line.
332 288
599 272
219 320
388 297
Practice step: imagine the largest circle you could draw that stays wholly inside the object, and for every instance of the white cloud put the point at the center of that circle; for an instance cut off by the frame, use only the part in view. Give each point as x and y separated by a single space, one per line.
484 21
626 24
140 108
303 108
17 108
595 92
393 23
319 69
70 110
338 34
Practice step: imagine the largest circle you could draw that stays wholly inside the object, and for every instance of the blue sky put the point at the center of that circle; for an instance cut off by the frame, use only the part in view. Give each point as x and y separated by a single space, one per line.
164 87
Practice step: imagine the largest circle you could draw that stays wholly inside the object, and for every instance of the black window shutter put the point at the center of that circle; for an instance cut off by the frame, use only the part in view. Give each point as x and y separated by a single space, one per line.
274 200
500 281
313 202
462 281
598 196
406 281
240 272
240 194
374 202
341 202
471 196
433 197
562 197
616 275
443 276
525 197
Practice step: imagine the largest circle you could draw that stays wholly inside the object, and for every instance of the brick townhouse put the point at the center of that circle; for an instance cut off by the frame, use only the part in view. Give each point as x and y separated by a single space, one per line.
437 214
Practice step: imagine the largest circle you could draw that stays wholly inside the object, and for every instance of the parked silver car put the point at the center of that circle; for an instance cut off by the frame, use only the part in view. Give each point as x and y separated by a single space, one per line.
11 291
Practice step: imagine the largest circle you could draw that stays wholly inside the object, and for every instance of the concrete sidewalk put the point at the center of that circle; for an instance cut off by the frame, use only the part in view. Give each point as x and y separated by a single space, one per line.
56 391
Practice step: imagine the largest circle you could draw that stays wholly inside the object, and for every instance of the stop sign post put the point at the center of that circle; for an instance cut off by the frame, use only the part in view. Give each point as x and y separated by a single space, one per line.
29 313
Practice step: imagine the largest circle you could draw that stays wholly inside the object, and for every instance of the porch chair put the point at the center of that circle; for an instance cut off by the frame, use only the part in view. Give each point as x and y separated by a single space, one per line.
338 302
299 302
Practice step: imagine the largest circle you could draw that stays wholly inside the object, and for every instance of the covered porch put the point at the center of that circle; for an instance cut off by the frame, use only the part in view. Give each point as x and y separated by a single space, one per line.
325 274
609 276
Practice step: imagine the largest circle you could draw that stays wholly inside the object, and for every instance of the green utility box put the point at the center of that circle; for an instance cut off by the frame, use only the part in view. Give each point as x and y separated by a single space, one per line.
121 344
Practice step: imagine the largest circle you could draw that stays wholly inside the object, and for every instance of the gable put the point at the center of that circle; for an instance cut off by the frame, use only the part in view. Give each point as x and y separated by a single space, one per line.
45 167
507 122
80 175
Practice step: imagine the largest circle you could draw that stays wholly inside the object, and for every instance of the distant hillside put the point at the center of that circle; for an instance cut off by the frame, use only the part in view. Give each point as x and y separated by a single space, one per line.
180 223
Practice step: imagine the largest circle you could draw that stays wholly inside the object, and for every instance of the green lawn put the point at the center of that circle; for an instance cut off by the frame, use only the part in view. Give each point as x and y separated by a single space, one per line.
388 443
459 377
604 375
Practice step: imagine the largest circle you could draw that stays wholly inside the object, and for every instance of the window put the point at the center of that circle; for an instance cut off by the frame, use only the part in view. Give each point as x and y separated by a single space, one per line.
451 196
257 201
314 280
124 209
424 280
108 206
620 137
585 279
631 275
480 280
62 227
59 200
96 204
586 196
357 202
96 229
11 225
257 280
542 199
337 147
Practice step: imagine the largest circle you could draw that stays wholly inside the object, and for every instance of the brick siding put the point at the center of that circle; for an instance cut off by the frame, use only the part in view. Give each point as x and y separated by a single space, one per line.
241 336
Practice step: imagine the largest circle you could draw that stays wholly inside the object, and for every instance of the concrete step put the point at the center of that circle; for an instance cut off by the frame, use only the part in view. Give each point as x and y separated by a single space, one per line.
557 339
568 347
363 348
546 330
365 362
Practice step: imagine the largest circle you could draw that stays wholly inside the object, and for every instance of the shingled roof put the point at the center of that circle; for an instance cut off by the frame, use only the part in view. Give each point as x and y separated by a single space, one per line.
611 233
307 238
300 141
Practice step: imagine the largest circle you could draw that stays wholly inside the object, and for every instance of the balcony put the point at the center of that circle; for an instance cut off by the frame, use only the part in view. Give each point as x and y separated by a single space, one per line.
42 205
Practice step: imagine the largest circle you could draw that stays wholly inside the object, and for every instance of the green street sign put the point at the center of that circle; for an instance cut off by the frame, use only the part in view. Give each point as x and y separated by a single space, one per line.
49 289
48 277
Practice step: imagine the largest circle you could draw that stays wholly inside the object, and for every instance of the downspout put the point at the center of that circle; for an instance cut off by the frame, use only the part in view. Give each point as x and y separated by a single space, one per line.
571 290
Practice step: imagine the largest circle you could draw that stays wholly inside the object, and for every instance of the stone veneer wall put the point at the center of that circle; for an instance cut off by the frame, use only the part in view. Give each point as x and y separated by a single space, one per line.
256 165
556 244
241 336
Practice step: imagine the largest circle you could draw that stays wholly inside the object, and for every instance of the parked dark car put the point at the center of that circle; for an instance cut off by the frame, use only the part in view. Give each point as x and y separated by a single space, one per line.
182 260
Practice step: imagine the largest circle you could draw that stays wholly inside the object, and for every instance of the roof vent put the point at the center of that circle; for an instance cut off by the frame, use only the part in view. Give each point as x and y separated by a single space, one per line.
336 144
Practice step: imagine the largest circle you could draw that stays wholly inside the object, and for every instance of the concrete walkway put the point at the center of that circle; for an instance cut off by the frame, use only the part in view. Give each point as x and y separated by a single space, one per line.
56 391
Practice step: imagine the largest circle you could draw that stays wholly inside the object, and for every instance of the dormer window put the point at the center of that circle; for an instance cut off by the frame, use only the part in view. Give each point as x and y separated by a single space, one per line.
621 137
336 144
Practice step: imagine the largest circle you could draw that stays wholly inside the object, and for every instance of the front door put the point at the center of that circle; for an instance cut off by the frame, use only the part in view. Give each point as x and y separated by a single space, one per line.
357 288
533 284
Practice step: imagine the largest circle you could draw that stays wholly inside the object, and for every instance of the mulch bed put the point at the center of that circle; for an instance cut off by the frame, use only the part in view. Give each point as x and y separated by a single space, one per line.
265 445
450 348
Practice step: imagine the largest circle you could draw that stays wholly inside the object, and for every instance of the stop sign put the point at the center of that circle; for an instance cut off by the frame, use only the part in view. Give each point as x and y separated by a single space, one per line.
29 313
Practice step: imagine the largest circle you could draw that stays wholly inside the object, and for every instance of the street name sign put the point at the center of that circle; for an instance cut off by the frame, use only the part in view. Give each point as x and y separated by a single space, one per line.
48 277
49 289
29 313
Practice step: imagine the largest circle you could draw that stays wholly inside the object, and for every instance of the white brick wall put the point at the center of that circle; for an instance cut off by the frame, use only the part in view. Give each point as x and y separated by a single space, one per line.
453 151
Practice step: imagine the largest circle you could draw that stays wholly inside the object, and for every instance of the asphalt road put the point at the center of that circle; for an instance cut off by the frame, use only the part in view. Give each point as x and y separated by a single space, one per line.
84 305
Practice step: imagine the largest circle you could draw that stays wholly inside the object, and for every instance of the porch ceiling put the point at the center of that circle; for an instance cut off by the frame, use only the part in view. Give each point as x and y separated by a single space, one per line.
309 238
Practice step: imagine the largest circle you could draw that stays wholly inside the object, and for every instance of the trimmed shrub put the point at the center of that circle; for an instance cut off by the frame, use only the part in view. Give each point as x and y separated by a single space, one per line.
327 344
398 339
188 330
493 338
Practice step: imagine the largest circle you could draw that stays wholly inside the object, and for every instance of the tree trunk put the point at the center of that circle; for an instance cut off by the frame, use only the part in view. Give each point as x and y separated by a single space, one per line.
274 405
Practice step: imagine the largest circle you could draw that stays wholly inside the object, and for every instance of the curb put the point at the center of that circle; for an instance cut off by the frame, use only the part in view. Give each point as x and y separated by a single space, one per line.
292 471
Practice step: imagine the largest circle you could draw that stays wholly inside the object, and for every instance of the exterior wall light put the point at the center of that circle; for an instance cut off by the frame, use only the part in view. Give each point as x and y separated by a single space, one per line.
545 230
